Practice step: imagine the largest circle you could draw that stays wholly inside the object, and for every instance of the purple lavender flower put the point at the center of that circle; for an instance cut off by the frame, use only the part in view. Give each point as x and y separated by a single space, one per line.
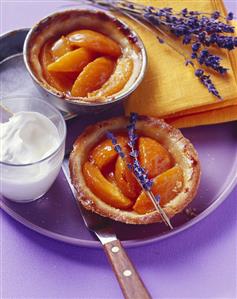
131 6
230 16
226 42
157 197
133 119
187 39
118 149
215 15
199 72
138 170
161 41
184 12
211 61
206 81
111 136
202 37
213 38
180 30
149 9
152 18
194 13
196 46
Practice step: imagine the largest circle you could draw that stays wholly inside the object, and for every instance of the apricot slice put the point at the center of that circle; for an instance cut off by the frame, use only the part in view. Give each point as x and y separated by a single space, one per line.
73 61
61 47
125 179
93 76
167 185
104 153
153 156
57 80
117 80
95 41
102 188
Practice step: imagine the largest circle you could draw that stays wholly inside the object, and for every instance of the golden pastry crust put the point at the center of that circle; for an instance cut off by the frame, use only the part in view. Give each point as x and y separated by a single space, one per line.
180 148
75 19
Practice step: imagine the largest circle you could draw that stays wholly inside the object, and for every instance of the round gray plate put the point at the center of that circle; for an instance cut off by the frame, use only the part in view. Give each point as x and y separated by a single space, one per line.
56 214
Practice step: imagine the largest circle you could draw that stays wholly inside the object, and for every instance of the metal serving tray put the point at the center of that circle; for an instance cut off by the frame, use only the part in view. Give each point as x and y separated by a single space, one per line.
56 214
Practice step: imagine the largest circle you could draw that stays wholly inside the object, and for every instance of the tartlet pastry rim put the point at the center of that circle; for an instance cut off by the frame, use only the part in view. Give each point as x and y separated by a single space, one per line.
107 17
181 149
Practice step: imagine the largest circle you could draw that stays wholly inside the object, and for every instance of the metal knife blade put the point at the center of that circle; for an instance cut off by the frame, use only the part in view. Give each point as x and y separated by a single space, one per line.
129 280
97 224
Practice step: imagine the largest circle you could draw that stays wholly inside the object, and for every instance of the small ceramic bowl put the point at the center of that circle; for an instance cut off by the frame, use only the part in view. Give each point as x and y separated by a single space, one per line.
62 23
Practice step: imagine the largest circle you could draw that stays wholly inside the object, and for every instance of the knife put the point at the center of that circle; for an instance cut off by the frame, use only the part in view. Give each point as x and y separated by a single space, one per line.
129 280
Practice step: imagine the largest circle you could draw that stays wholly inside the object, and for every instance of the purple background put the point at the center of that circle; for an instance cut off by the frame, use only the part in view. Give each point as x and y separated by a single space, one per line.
198 263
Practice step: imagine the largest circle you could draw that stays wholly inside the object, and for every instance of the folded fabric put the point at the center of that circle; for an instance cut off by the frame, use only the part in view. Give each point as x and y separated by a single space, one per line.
205 118
170 89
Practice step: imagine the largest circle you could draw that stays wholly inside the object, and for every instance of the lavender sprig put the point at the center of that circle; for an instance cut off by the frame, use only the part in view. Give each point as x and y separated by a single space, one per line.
211 61
136 167
199 30
139 172
117 147
207 82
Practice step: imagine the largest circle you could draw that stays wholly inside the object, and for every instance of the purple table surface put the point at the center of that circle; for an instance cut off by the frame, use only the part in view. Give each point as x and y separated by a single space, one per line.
198 263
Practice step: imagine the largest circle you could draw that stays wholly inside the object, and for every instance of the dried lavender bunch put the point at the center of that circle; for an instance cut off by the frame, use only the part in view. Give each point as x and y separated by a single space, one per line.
198 30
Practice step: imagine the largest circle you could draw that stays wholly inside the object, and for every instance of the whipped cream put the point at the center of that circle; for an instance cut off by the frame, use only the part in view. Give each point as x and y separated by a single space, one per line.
27 138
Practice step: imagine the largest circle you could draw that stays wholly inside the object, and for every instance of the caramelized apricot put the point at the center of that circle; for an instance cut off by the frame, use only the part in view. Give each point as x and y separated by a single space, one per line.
73 61
117 80
102 188
153 156
95 41
125 179
57 80
104 153
93 76
167 185
61 47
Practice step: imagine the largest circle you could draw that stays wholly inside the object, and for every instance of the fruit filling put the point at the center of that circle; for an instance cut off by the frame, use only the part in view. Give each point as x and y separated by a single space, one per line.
108 176
85 63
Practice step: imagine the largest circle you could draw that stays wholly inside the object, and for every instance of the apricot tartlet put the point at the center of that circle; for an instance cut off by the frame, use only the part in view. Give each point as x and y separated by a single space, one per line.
92 57
105 185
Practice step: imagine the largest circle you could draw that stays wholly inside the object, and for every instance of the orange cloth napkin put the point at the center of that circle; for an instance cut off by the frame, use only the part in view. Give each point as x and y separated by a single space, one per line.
170 90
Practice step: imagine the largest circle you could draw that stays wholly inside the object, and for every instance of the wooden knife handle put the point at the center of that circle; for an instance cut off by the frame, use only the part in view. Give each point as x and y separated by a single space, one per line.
128 278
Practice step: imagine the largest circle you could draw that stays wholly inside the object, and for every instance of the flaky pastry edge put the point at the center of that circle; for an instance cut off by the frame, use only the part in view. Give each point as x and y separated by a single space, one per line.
180 148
